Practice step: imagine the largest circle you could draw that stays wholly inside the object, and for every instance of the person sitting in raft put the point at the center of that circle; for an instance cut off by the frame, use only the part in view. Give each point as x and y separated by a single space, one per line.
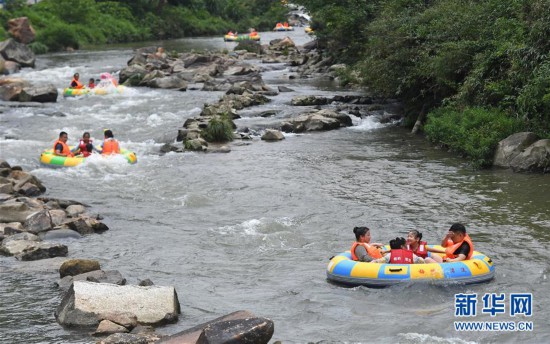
253 32
107 81
91 83
60 146
399 254
75 83
109 145
420 248
85 146
459 245
285 25
230 33
362 250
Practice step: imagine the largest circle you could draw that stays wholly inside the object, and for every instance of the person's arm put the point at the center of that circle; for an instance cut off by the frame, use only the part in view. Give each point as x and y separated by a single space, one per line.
59 149
73 84
461 253
383 260
445 239
434 250
95 149
362 254
75 149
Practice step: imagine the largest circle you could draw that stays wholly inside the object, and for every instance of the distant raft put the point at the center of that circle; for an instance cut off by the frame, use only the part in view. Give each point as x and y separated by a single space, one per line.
343 270
48 158
308 30
100 91
233 38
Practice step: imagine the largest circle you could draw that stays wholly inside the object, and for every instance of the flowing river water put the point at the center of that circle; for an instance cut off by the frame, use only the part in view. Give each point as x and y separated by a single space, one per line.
254 229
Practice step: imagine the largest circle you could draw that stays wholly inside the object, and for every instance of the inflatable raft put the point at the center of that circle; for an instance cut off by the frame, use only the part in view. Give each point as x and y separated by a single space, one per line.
342 270
283 28
100 91
229 38
48 158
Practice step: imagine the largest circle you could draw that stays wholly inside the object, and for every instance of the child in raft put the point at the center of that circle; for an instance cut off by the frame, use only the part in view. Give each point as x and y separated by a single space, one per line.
399 254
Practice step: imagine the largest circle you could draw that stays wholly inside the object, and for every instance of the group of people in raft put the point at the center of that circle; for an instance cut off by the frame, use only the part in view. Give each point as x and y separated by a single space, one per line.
85 146
106 80
251 33
457 243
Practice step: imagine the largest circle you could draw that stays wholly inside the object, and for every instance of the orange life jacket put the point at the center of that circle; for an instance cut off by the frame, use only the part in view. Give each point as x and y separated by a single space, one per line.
78 83
110 146
371 250
401 256
451 247
421 250
66 150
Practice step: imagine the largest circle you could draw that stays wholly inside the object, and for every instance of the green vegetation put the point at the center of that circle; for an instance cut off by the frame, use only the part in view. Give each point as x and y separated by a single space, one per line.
485 62
473 132
60 24
219 129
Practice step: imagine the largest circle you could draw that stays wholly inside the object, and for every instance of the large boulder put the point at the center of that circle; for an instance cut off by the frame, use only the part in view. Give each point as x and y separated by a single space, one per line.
10 88
132 75
309 100
41 94
12 211
87 303
242 331
535 158
170 82
272 135
12 50
319 121
247 322
511 147
21 30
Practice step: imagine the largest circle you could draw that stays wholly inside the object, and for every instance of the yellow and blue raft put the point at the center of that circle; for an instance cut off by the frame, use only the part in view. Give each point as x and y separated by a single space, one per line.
345 271
48 158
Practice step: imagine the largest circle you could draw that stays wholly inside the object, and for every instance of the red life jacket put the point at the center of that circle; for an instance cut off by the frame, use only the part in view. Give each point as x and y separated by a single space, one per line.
401 256
110 146
452 247
83 148
371 250
421 250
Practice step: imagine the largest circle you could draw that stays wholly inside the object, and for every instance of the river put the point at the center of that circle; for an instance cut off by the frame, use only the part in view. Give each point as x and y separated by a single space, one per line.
254 229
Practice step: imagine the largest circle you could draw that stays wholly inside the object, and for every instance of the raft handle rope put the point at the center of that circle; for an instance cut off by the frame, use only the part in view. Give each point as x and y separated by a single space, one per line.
396 270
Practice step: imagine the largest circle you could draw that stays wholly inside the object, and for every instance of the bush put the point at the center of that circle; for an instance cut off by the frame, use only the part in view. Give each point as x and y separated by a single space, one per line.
58 36
219 129
474 132
38 48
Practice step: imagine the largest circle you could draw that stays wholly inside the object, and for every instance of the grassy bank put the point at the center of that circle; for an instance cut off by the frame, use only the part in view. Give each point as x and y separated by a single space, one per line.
462 61
61 24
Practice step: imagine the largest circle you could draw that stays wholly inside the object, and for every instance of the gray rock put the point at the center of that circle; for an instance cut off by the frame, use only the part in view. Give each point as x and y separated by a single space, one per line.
78 266
309 100
126 319
14 212
43 250
58 216
41 94
85 303
107 327
272 135
80 226
6 188
285 89
21 30
29 189
74 210
14 225
97 276
511 147
191 335
12 50
242 331
39 222
535 158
